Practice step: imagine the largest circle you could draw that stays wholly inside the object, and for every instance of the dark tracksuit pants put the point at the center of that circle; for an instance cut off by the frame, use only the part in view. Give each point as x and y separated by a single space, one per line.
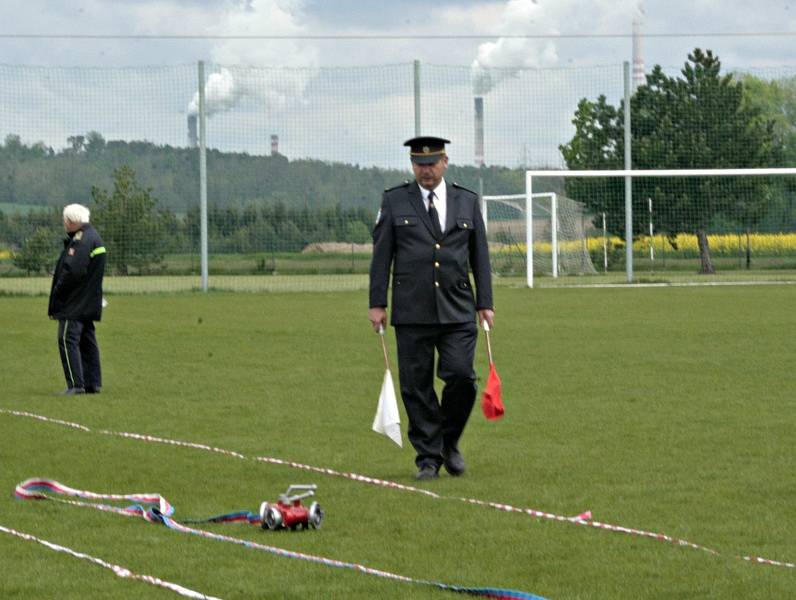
77 344
435 426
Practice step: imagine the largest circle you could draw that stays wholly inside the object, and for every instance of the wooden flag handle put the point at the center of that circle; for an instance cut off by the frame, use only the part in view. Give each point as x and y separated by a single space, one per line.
488 342
384 347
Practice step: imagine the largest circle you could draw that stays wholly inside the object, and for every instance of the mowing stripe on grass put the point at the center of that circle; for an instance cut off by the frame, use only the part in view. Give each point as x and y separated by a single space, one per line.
117 569
584 519
156 509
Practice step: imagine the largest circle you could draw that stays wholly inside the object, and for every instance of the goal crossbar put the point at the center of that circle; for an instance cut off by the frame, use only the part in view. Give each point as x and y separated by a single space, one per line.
664 172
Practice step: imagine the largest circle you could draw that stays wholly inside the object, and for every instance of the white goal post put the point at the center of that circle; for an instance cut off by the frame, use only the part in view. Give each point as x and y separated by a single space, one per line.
628 175
561 219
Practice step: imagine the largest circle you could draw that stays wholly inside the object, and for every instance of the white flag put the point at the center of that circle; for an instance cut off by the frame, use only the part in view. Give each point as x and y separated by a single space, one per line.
387 420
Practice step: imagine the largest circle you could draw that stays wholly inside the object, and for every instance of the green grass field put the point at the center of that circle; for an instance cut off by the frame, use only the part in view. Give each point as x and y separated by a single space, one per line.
147 284
668 410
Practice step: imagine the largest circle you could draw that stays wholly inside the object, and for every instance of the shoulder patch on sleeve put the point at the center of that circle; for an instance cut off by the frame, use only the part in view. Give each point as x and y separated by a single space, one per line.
404 184
461 187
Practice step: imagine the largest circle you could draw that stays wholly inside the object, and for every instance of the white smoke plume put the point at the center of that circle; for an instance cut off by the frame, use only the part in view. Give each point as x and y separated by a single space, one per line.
501 59
274 87
221 93
498 60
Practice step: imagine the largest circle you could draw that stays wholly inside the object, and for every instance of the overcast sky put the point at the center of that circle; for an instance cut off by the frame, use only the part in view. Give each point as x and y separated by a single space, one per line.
489 18
352 115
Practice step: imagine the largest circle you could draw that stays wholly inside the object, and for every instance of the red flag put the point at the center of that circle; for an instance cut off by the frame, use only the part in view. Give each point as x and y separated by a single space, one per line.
491 402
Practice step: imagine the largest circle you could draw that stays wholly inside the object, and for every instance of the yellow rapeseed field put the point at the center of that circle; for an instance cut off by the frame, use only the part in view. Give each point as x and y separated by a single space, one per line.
761 244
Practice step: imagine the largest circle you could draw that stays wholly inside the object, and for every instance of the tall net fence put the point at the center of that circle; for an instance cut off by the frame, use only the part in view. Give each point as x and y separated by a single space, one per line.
296 161
697 221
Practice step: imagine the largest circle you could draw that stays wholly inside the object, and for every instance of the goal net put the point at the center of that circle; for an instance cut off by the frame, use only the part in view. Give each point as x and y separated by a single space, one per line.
560 229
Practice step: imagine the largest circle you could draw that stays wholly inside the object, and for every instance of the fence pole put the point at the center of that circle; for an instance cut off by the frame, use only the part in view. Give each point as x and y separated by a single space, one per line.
554 233
605 247
628 182
483 202
652 237
417 97
202 177
529 229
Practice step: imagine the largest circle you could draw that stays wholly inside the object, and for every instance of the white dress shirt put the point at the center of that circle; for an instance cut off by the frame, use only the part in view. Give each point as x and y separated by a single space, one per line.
440 201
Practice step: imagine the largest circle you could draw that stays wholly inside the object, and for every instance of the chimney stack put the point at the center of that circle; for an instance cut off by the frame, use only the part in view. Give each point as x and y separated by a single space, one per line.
638 55
479 131
193 138
274 145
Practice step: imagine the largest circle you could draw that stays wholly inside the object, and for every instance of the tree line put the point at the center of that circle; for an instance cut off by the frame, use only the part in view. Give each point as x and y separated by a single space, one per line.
144 199
141 233
36 174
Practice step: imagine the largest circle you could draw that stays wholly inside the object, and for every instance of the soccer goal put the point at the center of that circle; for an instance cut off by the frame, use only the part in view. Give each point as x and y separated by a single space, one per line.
687 219
560 229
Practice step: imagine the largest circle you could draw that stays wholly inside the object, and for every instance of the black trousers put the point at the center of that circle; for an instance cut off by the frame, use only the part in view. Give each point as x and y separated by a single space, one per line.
80 357
435 426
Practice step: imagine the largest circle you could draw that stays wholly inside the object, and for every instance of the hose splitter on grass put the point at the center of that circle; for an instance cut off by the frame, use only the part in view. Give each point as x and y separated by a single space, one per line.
154 508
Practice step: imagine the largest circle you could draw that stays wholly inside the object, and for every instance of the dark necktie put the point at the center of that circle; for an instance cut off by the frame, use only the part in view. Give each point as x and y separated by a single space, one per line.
434 215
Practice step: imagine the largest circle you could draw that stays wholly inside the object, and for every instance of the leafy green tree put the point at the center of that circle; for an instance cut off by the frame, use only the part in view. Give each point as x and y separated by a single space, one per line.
357 232
13 145
128 223
38 252
290 238
776 101
95 143
77 142
696 120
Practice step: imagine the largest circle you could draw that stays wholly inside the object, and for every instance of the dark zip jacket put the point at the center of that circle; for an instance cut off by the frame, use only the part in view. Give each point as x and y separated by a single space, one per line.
76 291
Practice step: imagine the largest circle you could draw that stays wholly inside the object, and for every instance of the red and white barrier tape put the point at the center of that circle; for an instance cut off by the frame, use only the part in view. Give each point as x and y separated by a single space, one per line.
154 508
117 569
584 518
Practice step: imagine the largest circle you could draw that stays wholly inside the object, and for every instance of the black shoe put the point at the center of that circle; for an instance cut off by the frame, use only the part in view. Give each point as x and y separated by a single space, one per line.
427 472
93 390
72 391
454 462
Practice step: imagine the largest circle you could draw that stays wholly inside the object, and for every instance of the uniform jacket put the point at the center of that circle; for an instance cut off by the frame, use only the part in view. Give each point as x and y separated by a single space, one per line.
430 277
76 291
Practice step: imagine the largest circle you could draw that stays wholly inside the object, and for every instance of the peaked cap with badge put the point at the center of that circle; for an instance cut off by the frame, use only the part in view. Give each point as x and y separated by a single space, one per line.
426 149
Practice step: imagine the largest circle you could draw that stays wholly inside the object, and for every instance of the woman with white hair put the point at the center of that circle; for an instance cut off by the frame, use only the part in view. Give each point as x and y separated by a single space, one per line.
76 301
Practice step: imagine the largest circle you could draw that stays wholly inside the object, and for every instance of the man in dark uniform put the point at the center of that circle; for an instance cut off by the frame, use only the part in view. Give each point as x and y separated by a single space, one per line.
76 301
432 235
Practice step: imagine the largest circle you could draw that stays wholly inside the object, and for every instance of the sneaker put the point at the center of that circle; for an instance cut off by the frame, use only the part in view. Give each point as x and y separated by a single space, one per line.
427 472
73 391
454 462
93 390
